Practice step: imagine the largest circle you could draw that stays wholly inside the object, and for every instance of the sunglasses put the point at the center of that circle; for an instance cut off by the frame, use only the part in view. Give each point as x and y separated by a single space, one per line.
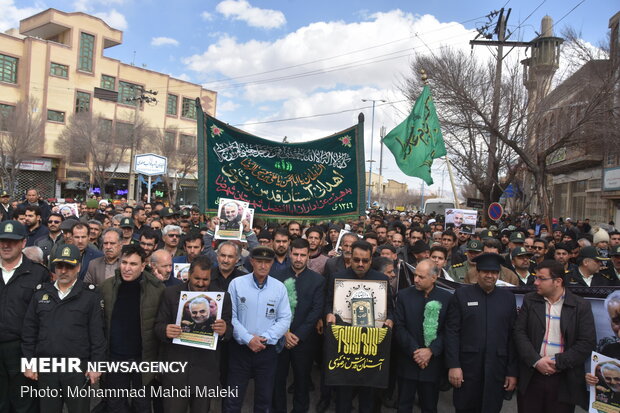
363 260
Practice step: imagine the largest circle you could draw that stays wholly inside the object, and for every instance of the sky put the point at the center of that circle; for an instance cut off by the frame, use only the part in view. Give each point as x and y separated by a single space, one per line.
301 69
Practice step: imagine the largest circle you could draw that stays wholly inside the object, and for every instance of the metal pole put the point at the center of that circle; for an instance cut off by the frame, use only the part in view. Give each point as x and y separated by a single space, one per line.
382 134
372 134
456 200
148 191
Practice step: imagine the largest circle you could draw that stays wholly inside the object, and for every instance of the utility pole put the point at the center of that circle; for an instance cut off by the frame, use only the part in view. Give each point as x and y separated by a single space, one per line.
144 96
372 134
382 135
502 40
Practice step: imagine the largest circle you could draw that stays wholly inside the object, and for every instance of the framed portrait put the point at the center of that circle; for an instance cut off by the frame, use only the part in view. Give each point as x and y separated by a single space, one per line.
230 212
370 294
181 271
463 220
605 396
197 311
362 312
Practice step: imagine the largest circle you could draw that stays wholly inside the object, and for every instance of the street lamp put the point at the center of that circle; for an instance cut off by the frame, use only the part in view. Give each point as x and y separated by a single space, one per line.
372 135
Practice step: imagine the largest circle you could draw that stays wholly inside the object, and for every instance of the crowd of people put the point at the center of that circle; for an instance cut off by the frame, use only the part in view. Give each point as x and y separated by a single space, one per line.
102 286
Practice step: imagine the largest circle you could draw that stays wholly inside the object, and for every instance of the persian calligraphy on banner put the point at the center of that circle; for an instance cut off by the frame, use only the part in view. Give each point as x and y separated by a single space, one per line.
357 356
317 179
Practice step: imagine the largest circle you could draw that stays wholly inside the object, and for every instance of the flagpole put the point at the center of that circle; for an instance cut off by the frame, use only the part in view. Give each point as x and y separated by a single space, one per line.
456 200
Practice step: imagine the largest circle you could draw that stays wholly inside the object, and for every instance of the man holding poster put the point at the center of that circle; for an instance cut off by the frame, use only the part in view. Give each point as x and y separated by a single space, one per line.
204 370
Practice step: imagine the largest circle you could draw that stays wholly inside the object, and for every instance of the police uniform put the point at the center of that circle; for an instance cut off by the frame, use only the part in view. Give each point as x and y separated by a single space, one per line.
459 271
261 310
600 279
71 326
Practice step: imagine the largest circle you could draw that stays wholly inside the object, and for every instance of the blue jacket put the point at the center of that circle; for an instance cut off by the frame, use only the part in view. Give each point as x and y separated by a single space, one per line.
88 255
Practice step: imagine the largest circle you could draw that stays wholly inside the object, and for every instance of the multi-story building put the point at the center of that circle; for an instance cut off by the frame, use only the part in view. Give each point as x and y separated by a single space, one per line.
576 168
59 60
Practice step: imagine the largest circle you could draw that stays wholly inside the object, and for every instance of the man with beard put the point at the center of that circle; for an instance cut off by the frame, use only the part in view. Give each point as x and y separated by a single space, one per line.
33 223
171 236
205 365
139 220
79 238
104 267
361 259
343 261
149 241
294 230
520 257
53 237
200 311
300 340
332 238
381 231
317 260
231 217
540 249
281 242
6 209
562 254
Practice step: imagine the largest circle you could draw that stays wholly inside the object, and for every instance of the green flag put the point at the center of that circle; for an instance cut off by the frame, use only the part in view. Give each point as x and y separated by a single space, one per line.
418 140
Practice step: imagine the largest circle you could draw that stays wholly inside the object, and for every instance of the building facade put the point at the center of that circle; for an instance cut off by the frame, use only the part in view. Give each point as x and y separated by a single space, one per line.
58 59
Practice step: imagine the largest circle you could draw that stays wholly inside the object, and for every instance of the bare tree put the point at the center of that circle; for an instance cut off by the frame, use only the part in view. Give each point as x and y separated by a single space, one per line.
182 160
21 138
462 88
100 144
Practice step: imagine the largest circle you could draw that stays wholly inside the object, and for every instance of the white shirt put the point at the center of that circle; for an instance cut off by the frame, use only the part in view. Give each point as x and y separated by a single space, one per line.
6 274
62 295
587 280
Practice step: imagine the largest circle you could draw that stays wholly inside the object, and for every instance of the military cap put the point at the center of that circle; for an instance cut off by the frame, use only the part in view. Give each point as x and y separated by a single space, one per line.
4 194
488 261
126 223
474 245
518 251
67 224
615 251
517 237
486 234
591 252
185 213
167 212
92 203
493 228
263 253
69 254
12 230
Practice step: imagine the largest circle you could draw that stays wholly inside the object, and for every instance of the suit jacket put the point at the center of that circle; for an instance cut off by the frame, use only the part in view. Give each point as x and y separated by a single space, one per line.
579 336
89 255
409 334
310 290
479 341
96 270
600 279
334 265
203 368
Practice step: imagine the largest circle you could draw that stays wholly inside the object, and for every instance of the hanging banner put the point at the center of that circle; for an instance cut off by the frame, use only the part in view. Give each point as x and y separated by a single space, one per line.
318 179
357 356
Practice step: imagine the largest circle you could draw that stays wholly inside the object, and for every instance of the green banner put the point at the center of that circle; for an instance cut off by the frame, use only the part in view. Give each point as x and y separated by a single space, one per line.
319 179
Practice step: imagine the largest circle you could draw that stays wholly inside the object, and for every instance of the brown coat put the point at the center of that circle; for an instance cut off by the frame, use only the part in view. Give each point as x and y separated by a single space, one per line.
505 275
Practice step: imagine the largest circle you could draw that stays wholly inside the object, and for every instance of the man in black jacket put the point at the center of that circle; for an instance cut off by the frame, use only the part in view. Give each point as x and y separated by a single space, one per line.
554 335
19 278
65 319
306 290
361 258
480 352
203 368
420 317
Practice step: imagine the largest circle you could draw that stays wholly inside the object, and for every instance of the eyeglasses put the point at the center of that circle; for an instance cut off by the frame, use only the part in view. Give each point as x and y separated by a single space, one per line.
363 260
174 235
53 222
542 278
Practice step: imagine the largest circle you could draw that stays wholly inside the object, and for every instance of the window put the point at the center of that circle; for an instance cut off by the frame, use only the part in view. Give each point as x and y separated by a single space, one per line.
8 69
187 144
55 116
87 49
5 112
82 102
124 132
105 126
56 69
169 141
189 109
611 158
108 82
171 105
127 92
